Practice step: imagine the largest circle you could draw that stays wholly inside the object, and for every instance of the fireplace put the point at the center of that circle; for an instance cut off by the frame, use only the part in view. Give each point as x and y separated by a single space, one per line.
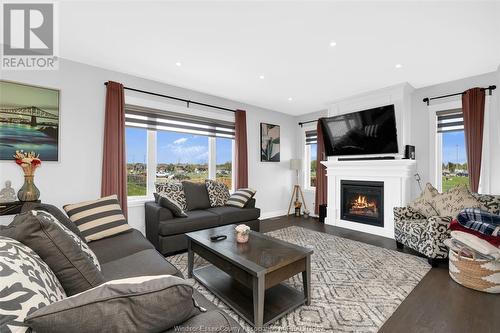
362 201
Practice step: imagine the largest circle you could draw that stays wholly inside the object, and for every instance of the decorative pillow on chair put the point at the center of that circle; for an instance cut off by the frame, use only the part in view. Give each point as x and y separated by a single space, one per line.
218 193
173 190
27 284
423 204
98 218
454 200
65 257
241 197
138 304
165 201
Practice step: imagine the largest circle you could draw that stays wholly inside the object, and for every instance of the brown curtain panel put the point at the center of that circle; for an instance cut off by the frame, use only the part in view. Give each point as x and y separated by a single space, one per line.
321 185
473 108
114 167
241 150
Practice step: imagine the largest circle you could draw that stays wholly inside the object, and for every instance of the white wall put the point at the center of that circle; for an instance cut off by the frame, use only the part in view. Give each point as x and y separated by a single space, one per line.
420 137
77 175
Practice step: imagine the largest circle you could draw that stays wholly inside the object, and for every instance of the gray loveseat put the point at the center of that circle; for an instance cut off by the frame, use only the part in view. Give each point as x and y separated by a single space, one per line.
167 232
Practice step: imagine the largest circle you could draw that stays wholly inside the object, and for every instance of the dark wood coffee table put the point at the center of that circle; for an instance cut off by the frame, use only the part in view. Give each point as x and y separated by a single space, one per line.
249 277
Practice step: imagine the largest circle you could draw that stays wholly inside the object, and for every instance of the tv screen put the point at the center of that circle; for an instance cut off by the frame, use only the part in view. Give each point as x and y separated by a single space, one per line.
365 132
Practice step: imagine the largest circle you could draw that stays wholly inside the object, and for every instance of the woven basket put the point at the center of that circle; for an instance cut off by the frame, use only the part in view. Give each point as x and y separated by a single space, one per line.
478 274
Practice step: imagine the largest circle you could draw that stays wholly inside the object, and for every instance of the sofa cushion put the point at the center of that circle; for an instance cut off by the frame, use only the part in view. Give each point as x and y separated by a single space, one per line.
231 215
174 190
119 246
99 218
146 262
70 264
454 200
196 220
241 197
196 195
218 193
490 203
423 204
167 202
56 212
140 304
26 284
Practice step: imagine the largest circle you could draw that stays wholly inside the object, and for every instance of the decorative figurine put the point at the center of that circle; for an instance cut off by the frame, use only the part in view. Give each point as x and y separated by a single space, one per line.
7 194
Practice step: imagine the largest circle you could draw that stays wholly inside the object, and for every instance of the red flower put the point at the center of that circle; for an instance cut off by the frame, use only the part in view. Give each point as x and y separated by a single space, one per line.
19 162
36 162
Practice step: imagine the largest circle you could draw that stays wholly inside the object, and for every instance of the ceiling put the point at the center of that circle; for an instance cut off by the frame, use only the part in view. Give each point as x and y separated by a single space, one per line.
224 47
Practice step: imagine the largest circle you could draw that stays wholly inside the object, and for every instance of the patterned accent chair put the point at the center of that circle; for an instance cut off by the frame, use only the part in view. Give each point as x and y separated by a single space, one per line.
427 235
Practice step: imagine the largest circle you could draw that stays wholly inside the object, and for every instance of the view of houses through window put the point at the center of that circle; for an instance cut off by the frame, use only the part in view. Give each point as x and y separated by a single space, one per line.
454 160
179 156
312 164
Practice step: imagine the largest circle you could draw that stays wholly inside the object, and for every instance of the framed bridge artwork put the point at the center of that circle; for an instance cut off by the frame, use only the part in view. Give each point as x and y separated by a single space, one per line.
29 120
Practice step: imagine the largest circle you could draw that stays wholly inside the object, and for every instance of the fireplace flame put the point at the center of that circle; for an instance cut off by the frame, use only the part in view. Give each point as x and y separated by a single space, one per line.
362 203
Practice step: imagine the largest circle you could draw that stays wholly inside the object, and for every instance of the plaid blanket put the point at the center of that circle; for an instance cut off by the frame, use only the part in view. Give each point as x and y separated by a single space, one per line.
480 220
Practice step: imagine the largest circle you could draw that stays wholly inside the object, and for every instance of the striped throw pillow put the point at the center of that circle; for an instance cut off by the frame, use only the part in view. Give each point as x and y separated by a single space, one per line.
241 197
99 218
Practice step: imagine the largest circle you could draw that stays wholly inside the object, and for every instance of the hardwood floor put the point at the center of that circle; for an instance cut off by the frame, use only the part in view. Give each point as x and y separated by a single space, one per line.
437 304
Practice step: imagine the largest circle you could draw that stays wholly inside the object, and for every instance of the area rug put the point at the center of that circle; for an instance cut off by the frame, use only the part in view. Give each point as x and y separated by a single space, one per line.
355 286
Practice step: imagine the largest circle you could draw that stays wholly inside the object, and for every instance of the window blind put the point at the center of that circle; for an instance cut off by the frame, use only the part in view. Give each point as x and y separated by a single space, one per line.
311 137
161 120
450 121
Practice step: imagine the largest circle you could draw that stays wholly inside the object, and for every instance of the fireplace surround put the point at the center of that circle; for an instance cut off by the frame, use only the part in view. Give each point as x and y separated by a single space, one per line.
362 202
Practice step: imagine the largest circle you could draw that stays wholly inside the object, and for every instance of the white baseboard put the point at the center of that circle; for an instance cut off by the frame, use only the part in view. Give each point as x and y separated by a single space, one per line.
271 214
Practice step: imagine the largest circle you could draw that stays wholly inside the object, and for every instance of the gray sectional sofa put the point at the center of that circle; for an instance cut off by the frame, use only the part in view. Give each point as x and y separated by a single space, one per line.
167 232
130 254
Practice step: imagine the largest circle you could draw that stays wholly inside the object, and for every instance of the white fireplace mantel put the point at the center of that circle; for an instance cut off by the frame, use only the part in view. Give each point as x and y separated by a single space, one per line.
397 176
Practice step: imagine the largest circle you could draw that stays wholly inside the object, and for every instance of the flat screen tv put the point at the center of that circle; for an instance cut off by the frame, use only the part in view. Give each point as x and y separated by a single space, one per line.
365 132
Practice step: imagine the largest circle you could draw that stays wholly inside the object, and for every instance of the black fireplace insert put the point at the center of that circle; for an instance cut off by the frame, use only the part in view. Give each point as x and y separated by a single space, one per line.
362 201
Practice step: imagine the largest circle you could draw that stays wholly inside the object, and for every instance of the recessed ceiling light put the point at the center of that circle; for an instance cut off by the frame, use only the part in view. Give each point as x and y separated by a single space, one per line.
178 64
333 44
398 66
290 99
261 77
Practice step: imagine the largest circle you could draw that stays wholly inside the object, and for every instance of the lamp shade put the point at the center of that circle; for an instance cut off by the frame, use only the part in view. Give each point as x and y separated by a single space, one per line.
295 164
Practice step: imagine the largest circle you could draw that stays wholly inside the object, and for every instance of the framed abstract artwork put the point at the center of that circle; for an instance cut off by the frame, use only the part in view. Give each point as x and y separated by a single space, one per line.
29 120
269 143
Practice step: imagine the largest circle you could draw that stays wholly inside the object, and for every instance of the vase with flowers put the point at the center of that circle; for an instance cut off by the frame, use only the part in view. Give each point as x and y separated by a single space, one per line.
29 162
242 233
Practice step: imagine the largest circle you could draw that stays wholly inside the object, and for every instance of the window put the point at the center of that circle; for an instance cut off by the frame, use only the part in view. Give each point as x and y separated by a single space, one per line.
224 161
312 164
163 146
454 160
136 150
453 157
310 158
181 157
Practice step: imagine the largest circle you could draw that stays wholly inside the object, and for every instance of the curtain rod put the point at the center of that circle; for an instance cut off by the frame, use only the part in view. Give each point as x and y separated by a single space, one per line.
307 122
187 101
428 99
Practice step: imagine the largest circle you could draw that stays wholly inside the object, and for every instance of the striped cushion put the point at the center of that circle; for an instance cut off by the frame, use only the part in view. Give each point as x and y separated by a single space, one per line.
99 218
240 198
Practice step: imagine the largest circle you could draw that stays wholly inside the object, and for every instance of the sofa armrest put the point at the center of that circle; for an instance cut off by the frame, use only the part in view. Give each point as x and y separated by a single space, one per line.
154 215
406 214
250 203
